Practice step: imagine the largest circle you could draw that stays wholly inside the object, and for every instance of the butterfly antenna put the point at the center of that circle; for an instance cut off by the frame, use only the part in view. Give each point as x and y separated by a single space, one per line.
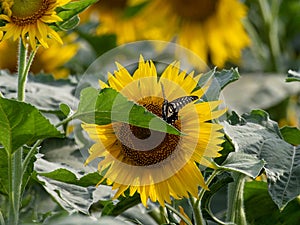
163 91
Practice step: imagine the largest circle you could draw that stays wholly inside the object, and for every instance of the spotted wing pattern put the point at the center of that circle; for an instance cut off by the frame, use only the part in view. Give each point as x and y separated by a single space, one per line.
170 109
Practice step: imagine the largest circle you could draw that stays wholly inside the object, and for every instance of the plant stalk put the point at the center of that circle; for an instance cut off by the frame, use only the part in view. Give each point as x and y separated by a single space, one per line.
269 16
178 214
15 185
197 203
235 208
15 167
22 61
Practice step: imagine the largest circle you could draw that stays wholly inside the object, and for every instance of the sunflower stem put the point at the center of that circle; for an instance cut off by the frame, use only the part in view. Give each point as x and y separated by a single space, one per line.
15 165
198 217
157 215
235 209
22 61
197 204
15 183
178 214
15 174
30 60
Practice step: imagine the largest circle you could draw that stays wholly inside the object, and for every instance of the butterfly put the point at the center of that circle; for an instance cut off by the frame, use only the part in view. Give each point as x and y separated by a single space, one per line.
170 109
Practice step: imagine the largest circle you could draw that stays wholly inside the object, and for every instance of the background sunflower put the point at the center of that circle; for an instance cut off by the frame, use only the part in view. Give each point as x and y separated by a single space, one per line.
30 19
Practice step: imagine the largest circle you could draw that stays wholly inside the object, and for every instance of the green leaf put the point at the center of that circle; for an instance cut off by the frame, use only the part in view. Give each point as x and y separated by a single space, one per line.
21 123
61 174
218 183
226 77
61 184
243 163
66 176
4 171
261 209
219 80
110 106
124 204
291 135
292 76
257 135
65 109
69 24
68 13
91 179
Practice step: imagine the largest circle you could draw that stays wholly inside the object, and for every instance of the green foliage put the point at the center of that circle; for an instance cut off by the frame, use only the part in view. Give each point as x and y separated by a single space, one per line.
218 183
69 13
257 135
219 80
65 109
21 124
243 163
272 28
291 135
66 176
262 210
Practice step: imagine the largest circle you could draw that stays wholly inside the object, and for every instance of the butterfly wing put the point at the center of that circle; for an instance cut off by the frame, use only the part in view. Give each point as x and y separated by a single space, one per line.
179 103
170 109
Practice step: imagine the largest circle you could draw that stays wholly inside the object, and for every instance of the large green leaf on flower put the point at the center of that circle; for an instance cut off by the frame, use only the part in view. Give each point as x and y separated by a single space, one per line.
22 123
110 106
257 135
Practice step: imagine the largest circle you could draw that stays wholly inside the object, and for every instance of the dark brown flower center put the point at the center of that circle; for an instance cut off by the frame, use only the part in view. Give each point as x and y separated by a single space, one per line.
142 146
25 12
195 10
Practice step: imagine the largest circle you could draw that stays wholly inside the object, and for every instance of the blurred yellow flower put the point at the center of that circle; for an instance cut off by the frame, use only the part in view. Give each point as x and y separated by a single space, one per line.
211 29
30 19
113 19
157 165
53 59
50 60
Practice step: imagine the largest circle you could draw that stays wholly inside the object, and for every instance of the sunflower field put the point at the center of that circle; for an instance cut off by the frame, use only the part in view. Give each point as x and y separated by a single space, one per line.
149 112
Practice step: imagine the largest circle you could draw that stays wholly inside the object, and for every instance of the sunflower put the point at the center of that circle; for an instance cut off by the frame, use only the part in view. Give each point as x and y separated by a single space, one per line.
157 165
31 18
113 19
211 29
